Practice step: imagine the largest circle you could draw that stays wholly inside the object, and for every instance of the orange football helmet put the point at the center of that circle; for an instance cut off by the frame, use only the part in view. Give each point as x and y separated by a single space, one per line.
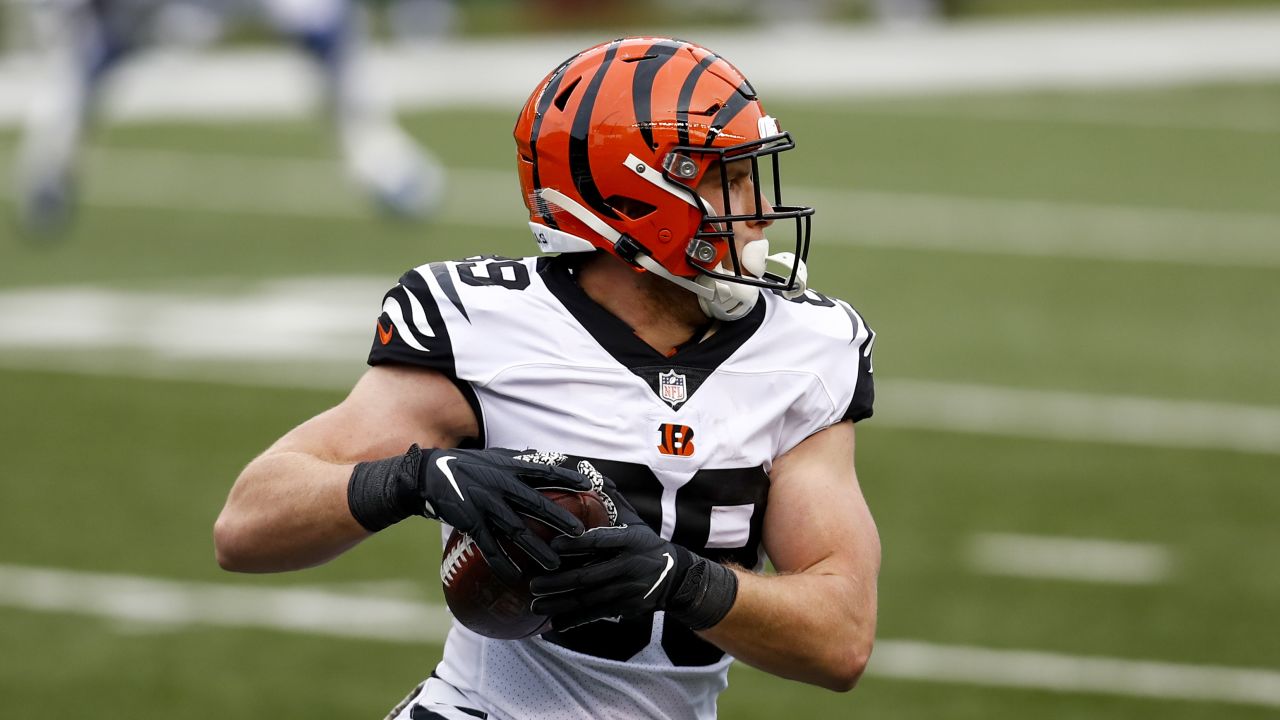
612 146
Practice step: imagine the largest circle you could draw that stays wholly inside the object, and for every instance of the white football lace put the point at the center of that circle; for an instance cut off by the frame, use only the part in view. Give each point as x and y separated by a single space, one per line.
452 562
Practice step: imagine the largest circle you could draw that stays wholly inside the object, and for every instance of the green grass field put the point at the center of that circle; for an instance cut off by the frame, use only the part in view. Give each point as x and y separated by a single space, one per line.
118 454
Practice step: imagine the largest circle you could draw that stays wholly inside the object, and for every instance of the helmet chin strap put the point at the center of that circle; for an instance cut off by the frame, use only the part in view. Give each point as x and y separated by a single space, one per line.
718 299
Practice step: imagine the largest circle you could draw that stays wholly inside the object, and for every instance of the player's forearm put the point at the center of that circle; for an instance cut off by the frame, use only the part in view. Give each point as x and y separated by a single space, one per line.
287 511
813 628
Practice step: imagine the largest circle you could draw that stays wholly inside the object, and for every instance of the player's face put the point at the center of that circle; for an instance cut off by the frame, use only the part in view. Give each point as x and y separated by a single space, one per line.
743 195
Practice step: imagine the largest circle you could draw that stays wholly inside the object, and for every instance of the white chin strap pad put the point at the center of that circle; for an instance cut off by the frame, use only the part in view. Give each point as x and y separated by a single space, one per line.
728 300
731 300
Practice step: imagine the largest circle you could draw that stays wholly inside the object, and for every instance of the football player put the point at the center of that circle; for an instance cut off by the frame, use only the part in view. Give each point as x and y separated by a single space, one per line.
84 40
664 342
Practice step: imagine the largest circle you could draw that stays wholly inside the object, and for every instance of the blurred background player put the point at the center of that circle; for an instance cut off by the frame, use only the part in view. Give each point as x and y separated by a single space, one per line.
84 40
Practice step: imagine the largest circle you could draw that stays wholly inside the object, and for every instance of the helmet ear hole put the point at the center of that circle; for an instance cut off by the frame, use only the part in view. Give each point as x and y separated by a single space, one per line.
630 208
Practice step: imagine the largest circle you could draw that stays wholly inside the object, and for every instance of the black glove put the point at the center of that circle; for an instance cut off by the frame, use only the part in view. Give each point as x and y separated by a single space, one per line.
482 493
631 571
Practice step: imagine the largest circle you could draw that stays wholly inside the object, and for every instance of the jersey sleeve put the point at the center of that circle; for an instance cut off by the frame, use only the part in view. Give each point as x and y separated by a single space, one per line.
864 389
824 346
410 330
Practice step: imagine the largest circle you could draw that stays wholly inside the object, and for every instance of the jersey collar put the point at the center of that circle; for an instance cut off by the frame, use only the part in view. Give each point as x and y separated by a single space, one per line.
620 341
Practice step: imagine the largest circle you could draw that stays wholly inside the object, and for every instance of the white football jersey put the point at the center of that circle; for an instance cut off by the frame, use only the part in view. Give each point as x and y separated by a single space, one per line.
689 439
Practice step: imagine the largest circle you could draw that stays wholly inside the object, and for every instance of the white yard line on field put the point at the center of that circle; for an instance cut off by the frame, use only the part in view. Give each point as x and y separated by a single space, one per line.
1067 558
1205 117
315 332
314 188
1029 669
174 605
1078 417
309 610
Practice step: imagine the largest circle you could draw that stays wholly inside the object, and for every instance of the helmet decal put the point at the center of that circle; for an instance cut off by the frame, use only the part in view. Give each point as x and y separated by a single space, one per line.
579 158
734 105
686 95
647 69
544 101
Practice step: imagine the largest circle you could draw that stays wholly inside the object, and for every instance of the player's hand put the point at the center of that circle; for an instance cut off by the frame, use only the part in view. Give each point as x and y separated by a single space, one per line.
631 571
483 493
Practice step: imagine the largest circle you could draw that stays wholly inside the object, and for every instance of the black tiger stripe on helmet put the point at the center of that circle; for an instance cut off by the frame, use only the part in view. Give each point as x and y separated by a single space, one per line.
579 157
686 95
642 85
544 103
734 105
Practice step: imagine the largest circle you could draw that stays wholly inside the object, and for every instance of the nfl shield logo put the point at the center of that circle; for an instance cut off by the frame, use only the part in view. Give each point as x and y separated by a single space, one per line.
671 388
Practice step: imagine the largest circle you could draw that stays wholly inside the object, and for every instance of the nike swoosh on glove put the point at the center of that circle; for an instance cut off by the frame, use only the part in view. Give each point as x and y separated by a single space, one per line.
631 571
483 493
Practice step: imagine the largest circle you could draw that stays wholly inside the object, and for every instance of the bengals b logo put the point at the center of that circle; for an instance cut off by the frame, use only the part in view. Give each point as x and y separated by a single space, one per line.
675 439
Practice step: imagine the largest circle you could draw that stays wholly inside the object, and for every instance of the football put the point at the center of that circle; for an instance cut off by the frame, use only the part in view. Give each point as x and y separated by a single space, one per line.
487 605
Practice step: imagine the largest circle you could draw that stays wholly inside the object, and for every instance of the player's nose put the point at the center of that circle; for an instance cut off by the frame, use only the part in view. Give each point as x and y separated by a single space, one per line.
759 223
765 208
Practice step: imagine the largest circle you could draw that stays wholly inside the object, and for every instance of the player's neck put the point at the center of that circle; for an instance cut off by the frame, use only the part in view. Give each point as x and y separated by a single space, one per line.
660 313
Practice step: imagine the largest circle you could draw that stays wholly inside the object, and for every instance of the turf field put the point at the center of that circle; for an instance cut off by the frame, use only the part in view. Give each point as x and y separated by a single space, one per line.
1113 252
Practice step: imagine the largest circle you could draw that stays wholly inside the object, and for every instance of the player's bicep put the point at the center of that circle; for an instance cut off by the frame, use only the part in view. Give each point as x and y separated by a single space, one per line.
818 520
390 408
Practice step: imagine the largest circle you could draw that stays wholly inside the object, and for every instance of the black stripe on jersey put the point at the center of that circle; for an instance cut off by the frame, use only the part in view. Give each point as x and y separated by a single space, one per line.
421 713
732 107
544 103
695 360
686 96
855 319
861 406
390 347
414 284
445 279
473 400
579 155
642 85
